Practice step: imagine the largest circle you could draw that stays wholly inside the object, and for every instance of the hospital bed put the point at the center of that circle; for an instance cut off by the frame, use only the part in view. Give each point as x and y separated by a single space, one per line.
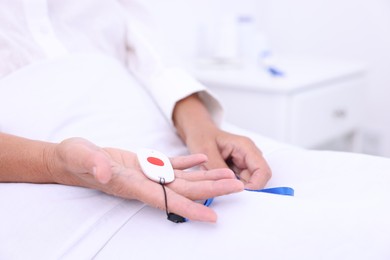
340 209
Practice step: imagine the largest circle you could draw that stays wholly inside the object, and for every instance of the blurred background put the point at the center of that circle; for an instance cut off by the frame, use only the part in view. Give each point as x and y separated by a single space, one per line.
340 37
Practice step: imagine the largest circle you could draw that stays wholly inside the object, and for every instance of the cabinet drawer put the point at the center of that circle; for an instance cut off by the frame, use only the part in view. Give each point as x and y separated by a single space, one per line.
323 113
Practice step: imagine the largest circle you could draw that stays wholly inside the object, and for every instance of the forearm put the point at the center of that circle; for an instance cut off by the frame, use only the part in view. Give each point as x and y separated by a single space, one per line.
24 160
190 116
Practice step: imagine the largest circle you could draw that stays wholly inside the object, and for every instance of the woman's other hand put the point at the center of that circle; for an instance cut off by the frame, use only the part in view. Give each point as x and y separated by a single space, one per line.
223 149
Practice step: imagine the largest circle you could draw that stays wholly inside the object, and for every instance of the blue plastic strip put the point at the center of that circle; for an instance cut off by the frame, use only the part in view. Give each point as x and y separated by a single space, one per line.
287 191
208 202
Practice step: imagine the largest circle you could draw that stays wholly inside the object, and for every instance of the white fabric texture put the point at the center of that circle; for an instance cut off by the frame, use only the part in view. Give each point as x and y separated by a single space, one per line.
34 30
340 210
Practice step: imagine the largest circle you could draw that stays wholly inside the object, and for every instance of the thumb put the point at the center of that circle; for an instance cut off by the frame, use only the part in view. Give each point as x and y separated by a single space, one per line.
101 167
82 156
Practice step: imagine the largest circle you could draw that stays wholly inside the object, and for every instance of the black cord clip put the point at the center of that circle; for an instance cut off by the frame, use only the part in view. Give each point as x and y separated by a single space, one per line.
170 216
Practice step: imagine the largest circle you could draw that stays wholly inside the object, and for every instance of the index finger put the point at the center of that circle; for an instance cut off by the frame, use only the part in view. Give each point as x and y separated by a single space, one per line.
188 161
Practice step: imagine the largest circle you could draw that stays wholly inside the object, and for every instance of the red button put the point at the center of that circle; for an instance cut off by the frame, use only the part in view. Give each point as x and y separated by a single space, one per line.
155 161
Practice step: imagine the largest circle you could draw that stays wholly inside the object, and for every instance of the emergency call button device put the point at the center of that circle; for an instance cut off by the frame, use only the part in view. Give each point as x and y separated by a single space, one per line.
156 165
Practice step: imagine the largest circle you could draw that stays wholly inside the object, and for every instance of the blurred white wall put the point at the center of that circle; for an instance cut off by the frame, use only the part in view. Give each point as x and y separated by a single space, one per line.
344 29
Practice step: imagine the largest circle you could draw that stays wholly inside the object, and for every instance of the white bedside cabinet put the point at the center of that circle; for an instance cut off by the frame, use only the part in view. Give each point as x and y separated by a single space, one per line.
316 104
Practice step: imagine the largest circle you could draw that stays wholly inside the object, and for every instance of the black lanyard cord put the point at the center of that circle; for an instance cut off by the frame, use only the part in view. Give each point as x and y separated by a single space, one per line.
170 216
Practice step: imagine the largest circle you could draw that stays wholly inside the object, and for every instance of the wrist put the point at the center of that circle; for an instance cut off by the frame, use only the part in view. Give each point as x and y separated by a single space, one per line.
190 117
52 163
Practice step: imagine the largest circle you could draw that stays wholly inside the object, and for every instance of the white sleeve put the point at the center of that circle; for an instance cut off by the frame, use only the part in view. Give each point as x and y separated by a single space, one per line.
167 84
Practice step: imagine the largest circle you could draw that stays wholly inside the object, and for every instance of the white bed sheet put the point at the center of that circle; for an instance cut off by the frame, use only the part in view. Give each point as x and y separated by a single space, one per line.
340 209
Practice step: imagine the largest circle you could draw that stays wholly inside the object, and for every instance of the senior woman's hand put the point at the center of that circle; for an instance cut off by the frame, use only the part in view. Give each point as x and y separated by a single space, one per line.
79 162
239 153
223 149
